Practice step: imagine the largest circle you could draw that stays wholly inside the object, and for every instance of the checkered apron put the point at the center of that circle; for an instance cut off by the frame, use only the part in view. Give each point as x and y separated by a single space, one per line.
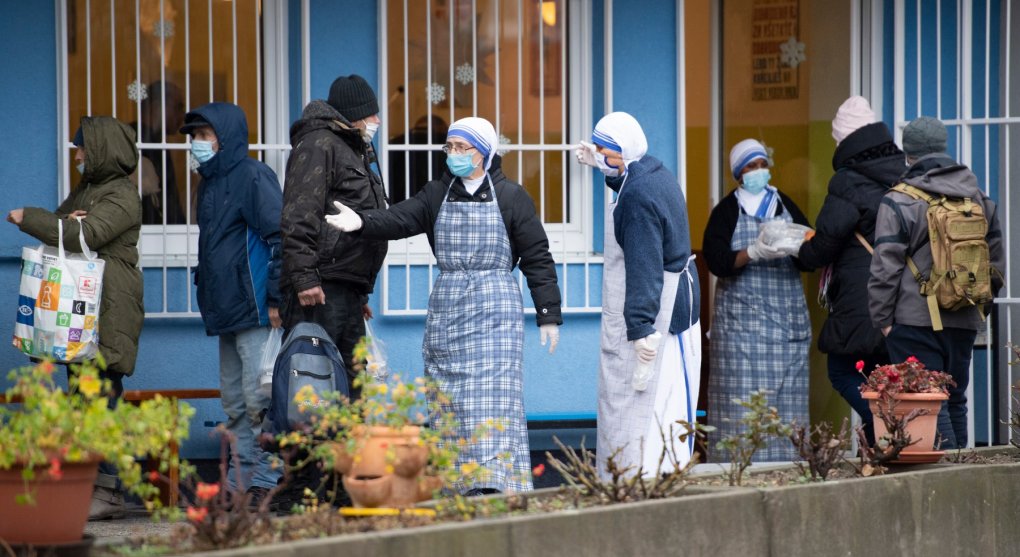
474 339
760 338
633 420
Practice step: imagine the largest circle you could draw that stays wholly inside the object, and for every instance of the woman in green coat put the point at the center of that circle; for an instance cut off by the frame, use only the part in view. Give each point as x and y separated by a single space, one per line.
112 212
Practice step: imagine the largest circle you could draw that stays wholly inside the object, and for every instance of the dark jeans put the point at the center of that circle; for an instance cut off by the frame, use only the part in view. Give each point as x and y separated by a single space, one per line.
847 381
950 351
341 316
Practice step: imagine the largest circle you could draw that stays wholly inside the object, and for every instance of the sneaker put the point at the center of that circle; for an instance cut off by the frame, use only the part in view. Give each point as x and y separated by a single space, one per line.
106 504
481 491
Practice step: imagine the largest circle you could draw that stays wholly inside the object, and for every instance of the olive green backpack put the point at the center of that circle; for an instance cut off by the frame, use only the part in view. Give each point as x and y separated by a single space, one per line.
961 273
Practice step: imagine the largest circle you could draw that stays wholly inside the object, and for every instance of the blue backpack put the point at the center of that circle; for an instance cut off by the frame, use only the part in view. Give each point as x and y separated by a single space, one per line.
307 357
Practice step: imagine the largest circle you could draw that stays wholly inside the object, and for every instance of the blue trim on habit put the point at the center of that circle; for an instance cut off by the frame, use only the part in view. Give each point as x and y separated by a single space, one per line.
603 140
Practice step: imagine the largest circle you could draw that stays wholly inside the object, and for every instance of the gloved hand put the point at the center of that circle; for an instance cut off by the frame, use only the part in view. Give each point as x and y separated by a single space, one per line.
550 333
645 351
759 250
347 220
586 154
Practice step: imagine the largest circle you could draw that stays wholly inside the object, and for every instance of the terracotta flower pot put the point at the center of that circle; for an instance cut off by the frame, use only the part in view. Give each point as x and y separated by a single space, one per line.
61 509
921 429
377 448
369 492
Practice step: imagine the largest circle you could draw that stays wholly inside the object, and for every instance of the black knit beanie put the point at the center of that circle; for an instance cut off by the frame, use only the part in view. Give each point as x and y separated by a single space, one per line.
353 97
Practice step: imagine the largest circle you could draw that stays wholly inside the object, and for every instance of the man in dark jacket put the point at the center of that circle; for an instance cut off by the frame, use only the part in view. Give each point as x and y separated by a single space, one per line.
867 163
895 302
327 276
238 273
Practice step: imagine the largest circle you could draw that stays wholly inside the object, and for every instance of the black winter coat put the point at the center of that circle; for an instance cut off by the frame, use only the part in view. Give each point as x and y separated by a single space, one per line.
867 164
529 245
329 162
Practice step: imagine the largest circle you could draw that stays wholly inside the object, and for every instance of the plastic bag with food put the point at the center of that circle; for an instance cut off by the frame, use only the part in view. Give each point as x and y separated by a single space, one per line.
784 236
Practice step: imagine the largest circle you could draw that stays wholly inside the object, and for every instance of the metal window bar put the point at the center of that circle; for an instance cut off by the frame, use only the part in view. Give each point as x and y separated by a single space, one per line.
411 257
163 246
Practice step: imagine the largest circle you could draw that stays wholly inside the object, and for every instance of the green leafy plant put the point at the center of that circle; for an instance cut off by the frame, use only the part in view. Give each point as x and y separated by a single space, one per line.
49 427
761 423
908 377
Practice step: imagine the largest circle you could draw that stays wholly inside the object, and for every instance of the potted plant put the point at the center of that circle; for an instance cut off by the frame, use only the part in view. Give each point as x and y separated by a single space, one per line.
908 391
52 441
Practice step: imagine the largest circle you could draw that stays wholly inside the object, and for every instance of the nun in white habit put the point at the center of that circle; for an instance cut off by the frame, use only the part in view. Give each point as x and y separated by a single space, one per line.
650 302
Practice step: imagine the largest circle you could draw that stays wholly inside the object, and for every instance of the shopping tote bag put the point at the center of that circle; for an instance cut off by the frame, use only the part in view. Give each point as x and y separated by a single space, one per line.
58 303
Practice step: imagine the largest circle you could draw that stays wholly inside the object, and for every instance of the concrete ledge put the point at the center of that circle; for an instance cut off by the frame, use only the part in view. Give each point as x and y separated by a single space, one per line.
957 509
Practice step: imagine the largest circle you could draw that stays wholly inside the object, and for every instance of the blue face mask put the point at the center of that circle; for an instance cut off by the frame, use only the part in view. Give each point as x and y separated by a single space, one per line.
461 165
81 168
756 180
202 151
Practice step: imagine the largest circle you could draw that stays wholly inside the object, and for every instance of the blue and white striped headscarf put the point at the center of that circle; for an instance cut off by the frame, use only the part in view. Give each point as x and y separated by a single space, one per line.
479 133
743 153
620 132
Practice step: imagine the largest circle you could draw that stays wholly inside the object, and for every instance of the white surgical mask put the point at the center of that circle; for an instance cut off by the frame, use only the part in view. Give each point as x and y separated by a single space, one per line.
369 132
605 168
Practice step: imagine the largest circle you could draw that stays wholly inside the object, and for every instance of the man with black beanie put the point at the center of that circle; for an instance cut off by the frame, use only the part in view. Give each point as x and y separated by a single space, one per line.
327 276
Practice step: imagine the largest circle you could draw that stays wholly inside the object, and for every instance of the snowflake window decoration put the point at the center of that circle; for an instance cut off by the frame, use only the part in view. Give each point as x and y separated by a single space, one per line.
163 29
503 140
465 73
791 53
137 92
435 93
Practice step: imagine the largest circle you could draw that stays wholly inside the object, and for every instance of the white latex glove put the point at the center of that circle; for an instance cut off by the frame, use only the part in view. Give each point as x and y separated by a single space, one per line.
760 250
550 333
586 153
645 352
347 220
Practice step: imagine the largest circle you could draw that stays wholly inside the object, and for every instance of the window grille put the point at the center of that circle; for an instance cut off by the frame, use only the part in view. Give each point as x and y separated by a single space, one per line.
148 62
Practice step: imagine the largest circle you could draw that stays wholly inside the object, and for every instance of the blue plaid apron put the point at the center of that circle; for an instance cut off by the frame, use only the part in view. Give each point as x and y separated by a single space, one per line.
760 337
474 339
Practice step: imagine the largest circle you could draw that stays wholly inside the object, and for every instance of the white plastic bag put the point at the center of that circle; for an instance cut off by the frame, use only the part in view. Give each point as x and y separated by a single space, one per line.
58 301
376 359
269 354
784 236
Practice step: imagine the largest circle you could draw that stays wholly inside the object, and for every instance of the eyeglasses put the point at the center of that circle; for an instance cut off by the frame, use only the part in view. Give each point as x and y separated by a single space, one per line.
457 149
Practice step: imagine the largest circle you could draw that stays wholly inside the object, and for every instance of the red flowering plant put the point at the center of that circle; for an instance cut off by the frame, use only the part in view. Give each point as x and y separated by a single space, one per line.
44 427
907 378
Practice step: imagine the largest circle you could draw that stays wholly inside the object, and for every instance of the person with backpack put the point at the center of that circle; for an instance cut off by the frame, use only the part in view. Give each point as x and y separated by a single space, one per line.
938 259
237 275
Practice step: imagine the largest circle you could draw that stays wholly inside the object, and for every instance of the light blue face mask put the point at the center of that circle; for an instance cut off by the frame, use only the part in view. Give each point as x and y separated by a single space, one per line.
461 165
202 150
756 180
81 168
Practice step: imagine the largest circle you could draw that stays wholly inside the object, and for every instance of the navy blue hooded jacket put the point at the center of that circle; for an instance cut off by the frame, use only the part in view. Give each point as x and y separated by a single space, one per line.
239 228
650 224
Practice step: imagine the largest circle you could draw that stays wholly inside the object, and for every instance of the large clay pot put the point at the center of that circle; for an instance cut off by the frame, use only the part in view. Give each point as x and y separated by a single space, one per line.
386 468
61 509
921 429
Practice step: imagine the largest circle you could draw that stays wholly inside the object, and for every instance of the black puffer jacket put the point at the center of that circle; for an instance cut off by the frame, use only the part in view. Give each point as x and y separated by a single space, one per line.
867 164
329 162
529 245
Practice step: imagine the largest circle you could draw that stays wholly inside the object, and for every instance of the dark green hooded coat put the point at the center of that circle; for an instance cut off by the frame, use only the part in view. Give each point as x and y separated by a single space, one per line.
112 226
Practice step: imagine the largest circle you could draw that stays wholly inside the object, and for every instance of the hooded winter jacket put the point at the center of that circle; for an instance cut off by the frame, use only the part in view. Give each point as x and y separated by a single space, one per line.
112 226
329 162
867 164
239 228
902 229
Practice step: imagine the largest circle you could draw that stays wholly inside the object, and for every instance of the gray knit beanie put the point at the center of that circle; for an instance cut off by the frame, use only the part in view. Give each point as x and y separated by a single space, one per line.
924 136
